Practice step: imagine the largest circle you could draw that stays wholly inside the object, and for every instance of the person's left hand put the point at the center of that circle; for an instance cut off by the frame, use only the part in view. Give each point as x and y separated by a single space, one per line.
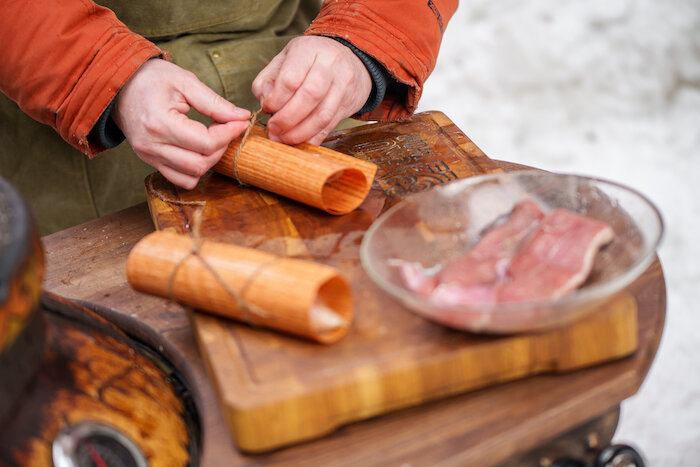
309 87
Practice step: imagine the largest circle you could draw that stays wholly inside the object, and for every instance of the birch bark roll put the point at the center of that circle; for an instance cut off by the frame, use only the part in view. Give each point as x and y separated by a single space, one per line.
295 296
313 175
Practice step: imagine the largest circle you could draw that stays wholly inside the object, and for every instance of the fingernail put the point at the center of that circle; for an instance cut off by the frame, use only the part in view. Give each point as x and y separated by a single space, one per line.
273 135
241 113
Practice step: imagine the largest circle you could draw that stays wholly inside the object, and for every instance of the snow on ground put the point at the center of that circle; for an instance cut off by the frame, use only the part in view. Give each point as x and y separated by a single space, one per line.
610 89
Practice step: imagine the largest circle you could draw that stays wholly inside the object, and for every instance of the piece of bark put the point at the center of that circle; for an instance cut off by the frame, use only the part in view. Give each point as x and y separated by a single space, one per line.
313 175
300 297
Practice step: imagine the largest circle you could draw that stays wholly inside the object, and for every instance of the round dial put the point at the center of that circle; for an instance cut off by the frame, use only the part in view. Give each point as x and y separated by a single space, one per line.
91 444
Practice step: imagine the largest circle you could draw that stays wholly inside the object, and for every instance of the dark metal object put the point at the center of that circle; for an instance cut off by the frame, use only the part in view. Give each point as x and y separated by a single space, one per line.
19 361
616 455
568 462
16 229
21 272
575 447
619 455
587 445
93 444
42 341
123 329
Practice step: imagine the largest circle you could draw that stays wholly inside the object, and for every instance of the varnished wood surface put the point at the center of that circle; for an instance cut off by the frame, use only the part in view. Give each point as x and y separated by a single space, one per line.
483 428
90 372
390 358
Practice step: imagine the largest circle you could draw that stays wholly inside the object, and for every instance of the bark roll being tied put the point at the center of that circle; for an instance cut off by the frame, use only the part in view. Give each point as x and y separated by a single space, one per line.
313 175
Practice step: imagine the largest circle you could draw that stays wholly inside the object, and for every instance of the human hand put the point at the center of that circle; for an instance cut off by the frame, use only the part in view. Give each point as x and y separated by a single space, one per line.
309 87
151 111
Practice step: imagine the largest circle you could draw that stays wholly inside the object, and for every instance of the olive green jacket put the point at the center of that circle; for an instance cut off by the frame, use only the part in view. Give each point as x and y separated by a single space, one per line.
225 43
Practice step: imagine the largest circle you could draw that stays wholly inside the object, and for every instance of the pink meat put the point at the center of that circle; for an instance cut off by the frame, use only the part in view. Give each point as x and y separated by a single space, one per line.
556 259
418 279
469 278
487 262
530 256
453 293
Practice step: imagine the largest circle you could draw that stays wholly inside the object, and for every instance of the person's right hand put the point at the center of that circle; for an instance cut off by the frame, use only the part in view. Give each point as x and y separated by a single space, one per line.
151 108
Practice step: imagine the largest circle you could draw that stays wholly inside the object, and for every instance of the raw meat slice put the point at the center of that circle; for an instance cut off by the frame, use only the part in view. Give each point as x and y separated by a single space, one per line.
482 266
529 256
488 261
453 293
556 259
418 279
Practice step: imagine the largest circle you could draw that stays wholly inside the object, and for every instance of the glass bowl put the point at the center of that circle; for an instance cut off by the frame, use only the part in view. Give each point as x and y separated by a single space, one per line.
436 226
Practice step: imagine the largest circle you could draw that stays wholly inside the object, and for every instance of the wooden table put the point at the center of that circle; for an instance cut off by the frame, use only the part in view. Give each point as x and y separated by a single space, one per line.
485 427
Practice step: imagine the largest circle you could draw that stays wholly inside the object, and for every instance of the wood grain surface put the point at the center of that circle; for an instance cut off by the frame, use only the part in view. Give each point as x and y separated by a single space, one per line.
481 427
299 297
275 390
313 175
91 372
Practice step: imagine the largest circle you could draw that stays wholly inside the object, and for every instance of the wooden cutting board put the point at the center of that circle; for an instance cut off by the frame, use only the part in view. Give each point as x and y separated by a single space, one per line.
276 389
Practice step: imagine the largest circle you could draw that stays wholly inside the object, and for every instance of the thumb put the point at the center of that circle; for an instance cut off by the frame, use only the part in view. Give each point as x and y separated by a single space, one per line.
208 103
223 133
265 81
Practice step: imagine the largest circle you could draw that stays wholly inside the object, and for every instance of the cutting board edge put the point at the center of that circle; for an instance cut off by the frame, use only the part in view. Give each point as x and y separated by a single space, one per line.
251 413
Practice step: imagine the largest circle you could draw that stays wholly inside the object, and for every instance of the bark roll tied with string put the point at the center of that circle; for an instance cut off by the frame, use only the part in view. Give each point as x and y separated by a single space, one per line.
313 175
295 296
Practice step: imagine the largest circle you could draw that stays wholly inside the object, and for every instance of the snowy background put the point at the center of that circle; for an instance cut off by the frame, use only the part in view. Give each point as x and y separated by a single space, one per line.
610 89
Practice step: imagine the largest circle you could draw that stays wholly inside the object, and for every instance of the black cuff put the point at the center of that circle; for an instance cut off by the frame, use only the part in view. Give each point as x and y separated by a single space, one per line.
106 133
380 77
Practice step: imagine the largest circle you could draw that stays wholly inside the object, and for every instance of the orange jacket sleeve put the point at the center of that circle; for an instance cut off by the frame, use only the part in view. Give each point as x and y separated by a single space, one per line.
402 35
63 61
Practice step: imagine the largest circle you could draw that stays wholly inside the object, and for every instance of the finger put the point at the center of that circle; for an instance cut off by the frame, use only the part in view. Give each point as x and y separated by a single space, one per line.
290 77
224 133
263 83
181 160
187 182
188 134
194 136
210 104
215 156
320 137
318 123
313 91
